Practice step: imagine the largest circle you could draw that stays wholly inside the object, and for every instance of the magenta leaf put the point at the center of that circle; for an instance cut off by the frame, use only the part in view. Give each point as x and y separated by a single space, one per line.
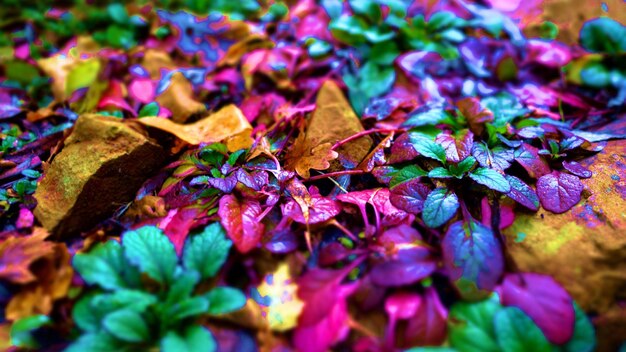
544 301
409 196
239 219
558 192
577 169
472 252
429 326
528 156
330 329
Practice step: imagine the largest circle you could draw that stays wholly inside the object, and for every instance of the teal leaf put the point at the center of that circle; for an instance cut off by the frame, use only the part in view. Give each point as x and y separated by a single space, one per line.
118 13
224 300
195 338
516 332
439 207
428 148
470 326
182 287
426 116
126 325
154 254
522 193
440 172
96 342
206 252
102 266
89 311
491 179
603 35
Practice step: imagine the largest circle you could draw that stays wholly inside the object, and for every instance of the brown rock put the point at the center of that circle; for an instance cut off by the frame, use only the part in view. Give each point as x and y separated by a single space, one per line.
101 167
585 248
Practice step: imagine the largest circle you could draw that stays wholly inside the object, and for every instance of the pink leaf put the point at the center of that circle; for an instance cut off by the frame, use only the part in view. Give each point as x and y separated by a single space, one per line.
428 326
239 218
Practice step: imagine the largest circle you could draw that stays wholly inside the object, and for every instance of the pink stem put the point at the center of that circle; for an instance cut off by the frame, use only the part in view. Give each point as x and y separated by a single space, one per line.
361 134
337 173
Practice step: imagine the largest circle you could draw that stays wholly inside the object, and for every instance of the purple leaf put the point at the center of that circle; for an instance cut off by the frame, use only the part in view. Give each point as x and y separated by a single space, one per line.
472 252
497 158
402 150
543 300
577 169
399 306
409 196
8 110
406 261
528 157
239 219
522 193
429 326
558 192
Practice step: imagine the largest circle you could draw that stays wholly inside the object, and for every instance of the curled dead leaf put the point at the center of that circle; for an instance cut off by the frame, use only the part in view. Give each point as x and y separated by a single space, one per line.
18 253
178 98
229 123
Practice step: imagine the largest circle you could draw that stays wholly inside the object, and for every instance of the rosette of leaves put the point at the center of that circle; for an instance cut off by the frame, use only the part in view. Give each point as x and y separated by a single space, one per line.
606 67
142 295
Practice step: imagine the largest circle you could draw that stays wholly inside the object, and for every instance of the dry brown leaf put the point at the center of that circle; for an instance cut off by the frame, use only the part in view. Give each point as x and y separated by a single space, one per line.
53 275
224 124
178 98
239 49
334 120
156 60
18 253
302 157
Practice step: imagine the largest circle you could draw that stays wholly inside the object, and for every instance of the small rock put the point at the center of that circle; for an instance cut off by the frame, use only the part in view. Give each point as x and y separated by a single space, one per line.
101 167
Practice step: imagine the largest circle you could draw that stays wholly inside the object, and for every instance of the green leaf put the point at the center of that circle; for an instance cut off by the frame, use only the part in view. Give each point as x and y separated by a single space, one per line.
471 328
428 148
439 207
367 8
154 254
195 338
405 174
603 35
102 266
439 172
384 53
596 75
207 251
183 286
491 179
224 300
120 37
462 167
21 71
21 330
151 109
83 75
126 325
584 339
516 332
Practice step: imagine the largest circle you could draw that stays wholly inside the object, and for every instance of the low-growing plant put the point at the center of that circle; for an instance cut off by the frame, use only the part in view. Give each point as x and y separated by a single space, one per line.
143 294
